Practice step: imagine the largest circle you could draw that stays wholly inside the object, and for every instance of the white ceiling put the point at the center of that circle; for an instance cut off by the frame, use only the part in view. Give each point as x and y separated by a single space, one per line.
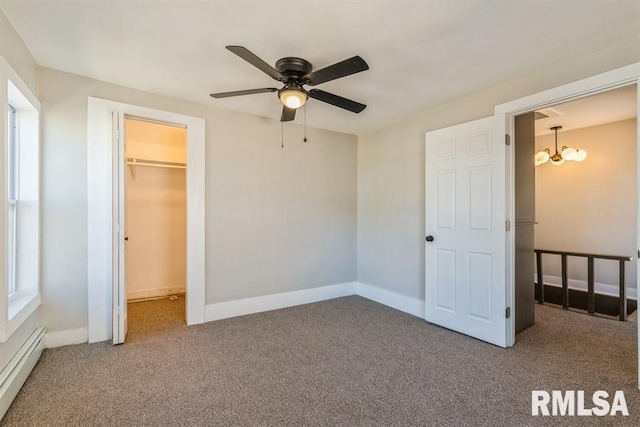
607 107
421 53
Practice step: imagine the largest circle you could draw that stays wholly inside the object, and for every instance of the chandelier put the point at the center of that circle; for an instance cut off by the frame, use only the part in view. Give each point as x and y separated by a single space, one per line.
567 153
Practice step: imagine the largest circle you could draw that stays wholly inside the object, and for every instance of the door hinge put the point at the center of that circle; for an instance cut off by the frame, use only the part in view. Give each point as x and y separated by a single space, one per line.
507 312
507 225
507 139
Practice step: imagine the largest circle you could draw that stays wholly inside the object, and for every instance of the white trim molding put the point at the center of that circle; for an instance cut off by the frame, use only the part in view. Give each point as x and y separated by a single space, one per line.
410 305
241 307
67 337
155 292
619 77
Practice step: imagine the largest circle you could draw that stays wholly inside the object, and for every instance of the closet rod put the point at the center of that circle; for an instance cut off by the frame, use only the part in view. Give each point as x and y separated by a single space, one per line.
157 122
156 163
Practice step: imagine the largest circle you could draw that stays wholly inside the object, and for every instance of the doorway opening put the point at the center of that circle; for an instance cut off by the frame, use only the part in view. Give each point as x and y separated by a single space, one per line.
106 169
577 221
155 220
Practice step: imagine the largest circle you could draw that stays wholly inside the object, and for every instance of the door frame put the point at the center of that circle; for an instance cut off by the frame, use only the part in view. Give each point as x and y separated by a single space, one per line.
119 245
101 209
624 76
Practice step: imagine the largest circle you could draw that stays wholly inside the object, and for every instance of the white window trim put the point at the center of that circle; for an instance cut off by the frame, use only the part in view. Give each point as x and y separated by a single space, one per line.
15 310
12 233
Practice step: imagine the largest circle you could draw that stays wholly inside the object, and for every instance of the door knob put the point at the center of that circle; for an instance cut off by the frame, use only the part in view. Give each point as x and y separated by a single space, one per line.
429 238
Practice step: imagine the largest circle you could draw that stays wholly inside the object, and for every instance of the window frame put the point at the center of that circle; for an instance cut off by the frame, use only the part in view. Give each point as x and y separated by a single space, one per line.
13 184
20 219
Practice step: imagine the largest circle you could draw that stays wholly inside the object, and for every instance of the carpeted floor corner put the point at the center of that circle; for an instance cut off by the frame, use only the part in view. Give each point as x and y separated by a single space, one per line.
344 362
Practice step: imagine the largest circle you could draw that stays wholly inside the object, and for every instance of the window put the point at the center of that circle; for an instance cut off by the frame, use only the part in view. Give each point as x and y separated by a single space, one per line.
12 196
20 189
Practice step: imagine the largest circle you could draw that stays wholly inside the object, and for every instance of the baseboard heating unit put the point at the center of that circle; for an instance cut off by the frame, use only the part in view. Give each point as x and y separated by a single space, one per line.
16 372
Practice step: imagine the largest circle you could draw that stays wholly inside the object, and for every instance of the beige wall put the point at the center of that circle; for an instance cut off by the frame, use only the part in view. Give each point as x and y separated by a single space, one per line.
156 142
391 186
277 219
156 227
590 206
156 211
15 52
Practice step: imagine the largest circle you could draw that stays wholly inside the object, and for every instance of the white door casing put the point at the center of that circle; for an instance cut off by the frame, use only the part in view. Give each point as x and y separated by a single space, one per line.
623 76
102 212
465 264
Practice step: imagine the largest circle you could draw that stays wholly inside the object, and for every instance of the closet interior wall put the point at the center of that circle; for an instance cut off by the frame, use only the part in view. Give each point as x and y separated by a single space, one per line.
155 209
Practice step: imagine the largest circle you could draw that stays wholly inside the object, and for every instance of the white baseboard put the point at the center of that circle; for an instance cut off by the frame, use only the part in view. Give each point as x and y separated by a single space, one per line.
66 337
400 302
600 288
16 372
224 310
155 292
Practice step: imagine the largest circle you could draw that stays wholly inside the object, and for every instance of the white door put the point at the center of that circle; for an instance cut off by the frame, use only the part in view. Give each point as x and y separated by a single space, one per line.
119 230
466 229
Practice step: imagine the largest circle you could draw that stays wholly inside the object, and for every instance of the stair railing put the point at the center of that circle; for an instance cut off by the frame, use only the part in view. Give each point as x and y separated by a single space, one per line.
591 299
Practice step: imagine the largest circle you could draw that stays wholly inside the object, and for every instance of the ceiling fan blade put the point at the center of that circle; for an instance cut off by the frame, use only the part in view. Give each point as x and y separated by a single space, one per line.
336 100
252 59
288 114
243 92
336 71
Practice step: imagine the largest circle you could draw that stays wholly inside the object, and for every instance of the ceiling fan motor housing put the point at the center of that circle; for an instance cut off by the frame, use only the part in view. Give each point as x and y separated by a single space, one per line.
294 68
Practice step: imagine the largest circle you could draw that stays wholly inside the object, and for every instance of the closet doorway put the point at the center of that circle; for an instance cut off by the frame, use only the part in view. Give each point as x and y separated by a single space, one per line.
155 219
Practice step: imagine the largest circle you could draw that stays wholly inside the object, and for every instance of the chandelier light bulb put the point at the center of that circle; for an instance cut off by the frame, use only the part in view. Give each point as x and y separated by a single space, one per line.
542 157
569 153
580 155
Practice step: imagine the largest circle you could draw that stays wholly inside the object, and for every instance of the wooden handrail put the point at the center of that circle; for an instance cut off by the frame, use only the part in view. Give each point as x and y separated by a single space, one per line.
584 255
622 297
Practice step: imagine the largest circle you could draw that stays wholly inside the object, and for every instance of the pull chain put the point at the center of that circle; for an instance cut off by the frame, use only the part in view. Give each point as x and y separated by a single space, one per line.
305 123
282 133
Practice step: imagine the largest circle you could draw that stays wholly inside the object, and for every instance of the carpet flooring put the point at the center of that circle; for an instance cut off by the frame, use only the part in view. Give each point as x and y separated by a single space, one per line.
344 362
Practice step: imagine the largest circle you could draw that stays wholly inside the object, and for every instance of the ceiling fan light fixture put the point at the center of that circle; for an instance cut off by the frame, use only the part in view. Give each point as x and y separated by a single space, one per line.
292 98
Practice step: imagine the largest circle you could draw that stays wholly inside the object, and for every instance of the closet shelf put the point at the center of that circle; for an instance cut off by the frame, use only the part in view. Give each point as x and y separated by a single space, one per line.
155 163
132 162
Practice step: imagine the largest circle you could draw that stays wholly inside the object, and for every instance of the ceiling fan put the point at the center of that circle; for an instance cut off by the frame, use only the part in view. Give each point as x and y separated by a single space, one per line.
295 73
